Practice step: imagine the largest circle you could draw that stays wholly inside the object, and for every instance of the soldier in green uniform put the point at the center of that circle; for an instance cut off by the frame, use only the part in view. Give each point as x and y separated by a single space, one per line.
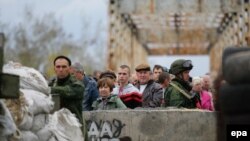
70 90
178 93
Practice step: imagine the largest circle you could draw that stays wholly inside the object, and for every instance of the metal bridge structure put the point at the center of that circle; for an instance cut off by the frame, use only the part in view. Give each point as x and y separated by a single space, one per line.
140 28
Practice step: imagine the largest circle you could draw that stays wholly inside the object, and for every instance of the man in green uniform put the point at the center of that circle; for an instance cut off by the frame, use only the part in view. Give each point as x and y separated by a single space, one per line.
178 93
70 90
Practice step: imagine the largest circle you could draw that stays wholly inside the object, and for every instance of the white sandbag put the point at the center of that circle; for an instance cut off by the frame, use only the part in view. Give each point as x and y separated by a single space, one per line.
28 136
53 138
65 126
45 133
38 102
27 121
29 77
7 124
17 107
16 136
19 111
39 121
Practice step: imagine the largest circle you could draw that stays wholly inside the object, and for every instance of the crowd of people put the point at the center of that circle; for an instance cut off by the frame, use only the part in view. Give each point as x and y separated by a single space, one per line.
108 90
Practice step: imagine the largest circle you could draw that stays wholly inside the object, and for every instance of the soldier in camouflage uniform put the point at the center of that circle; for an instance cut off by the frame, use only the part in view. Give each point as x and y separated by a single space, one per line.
178 93
69 89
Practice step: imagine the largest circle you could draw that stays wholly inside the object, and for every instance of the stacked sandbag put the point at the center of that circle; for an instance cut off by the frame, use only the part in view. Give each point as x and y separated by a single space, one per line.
62 126
7 125
234 93
34 104
29 77
30 113
32 110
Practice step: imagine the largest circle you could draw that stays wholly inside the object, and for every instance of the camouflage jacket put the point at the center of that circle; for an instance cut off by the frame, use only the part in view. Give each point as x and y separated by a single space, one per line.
71 94
174 97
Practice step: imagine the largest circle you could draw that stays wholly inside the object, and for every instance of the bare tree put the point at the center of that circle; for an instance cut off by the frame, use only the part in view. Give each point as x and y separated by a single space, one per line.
35 42
93 45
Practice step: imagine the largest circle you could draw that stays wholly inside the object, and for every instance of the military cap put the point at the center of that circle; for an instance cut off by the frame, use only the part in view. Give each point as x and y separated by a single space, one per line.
108 73
145 67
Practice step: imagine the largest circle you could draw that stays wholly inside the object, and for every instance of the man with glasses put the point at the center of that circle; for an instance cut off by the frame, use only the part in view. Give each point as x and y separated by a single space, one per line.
128 93
178 93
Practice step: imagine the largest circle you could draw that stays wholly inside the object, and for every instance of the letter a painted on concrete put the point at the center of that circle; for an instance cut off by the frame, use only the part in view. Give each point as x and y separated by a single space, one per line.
106 130
93 131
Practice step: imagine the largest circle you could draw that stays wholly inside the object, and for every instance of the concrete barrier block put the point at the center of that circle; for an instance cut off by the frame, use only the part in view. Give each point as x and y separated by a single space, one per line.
151 125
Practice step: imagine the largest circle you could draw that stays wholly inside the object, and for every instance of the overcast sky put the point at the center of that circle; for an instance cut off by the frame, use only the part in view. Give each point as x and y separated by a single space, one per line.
70 12
200 62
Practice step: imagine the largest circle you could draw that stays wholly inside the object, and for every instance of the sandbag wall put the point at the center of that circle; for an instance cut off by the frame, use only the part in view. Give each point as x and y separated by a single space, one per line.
30 116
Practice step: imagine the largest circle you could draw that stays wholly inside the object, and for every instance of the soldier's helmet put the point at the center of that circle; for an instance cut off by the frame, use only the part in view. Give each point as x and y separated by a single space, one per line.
180 65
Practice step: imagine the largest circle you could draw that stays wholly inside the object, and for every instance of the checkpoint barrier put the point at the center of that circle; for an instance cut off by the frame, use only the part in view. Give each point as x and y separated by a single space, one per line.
151 125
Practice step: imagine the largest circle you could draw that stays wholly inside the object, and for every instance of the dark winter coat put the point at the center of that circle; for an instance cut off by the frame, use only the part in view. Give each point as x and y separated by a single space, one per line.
152 95
91 93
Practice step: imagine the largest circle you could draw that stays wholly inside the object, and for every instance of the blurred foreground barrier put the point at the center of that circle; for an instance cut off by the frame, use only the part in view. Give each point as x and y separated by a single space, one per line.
151 125
236 65
234 94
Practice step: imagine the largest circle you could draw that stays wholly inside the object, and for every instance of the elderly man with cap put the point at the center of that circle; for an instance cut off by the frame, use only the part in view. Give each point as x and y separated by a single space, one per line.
151 91
91 92
178 93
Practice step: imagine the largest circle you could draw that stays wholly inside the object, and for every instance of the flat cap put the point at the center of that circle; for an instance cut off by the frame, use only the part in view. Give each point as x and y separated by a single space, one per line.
108 73
145 67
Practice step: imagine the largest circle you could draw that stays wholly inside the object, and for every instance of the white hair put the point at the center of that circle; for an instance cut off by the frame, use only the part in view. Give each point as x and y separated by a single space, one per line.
197 80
